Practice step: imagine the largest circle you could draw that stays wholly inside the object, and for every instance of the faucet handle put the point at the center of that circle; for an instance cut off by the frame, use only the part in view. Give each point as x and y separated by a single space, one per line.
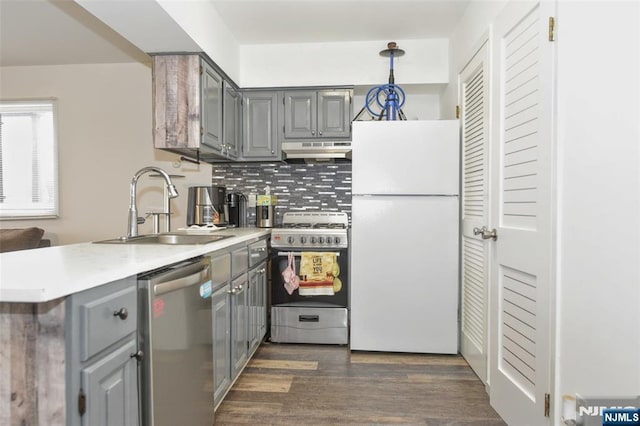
140 220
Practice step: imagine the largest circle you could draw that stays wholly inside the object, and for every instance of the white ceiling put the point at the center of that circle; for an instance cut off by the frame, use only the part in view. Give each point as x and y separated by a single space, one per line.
302 21
53 32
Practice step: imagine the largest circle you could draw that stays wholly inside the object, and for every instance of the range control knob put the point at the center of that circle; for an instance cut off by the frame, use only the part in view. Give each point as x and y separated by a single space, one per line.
303 240
321 240
290 240
336 240
313 240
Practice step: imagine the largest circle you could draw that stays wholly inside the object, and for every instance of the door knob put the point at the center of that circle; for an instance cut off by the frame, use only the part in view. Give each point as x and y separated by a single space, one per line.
122 314
486 233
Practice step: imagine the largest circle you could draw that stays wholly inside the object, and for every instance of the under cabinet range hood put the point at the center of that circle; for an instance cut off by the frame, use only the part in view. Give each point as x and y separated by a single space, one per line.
319 151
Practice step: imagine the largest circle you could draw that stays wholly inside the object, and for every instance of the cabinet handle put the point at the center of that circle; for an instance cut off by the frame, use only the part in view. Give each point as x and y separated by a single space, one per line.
232 291
273 151
138 355
122 314
320 133
313 133
262 271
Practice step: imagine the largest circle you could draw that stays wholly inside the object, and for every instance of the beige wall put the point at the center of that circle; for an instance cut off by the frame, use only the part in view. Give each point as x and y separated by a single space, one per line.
104 137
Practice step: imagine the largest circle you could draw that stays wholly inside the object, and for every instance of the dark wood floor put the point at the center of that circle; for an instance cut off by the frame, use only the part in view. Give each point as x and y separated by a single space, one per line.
318 384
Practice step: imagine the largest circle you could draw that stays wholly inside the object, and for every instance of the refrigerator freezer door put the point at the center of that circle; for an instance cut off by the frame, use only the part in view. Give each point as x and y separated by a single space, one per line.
406 157
404 274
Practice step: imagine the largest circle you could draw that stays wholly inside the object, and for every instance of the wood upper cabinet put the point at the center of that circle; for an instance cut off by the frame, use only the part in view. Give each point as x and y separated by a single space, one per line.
260 126
187 105
312 114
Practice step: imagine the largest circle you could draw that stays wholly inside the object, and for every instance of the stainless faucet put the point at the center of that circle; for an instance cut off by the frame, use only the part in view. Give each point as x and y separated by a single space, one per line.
172 192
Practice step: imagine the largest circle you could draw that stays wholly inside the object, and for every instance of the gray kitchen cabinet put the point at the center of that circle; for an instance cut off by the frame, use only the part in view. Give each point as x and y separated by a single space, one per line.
232 116
211 107
221 300
260 126
221 313
239 309
257 295
317 114
111 388
257 305
262 301
334 113
300 114
102 370
236 334
239 315
252 311
187 106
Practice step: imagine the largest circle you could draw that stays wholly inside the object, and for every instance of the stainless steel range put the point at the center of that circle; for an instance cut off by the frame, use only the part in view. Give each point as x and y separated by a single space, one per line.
310 278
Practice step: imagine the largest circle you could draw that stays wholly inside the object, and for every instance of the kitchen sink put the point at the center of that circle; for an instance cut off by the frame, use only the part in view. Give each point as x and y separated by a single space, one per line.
171 239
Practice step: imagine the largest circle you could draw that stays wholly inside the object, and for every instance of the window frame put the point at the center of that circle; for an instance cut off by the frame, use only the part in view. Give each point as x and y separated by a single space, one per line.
31 212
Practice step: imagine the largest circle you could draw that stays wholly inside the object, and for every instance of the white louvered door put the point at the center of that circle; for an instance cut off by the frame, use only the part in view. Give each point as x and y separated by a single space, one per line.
521 266
474 106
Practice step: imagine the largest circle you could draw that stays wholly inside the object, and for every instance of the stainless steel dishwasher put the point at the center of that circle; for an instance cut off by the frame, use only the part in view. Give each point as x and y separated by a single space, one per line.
176 373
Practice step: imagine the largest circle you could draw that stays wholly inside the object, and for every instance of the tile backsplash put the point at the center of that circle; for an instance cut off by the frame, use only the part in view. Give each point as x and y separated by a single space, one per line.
299 187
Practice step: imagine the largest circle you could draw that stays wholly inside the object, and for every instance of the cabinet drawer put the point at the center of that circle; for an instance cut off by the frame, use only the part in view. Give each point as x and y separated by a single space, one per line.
239 261
107 319
257 252
297 324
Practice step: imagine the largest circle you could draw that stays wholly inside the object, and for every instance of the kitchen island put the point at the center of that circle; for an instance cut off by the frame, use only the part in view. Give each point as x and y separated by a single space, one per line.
34 287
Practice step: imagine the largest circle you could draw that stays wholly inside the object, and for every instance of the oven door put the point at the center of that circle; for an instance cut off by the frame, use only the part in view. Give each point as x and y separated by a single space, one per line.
334 289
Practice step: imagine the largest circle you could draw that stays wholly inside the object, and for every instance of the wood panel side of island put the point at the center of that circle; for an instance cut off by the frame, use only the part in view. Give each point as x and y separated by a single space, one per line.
32 363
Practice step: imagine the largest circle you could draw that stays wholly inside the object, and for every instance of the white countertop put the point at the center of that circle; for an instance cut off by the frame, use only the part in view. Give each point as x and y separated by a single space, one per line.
41 275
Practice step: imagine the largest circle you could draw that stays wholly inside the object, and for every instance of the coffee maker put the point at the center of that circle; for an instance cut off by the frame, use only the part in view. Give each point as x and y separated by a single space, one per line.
237 208
206 206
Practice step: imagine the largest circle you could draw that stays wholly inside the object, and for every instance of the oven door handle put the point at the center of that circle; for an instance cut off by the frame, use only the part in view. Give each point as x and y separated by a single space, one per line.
299 253
308 318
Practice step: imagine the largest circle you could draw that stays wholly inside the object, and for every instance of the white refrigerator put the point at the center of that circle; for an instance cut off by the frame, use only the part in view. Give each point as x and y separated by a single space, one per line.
404 236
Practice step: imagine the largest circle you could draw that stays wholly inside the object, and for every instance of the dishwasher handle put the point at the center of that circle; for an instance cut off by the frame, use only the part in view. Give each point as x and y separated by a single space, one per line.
189 280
